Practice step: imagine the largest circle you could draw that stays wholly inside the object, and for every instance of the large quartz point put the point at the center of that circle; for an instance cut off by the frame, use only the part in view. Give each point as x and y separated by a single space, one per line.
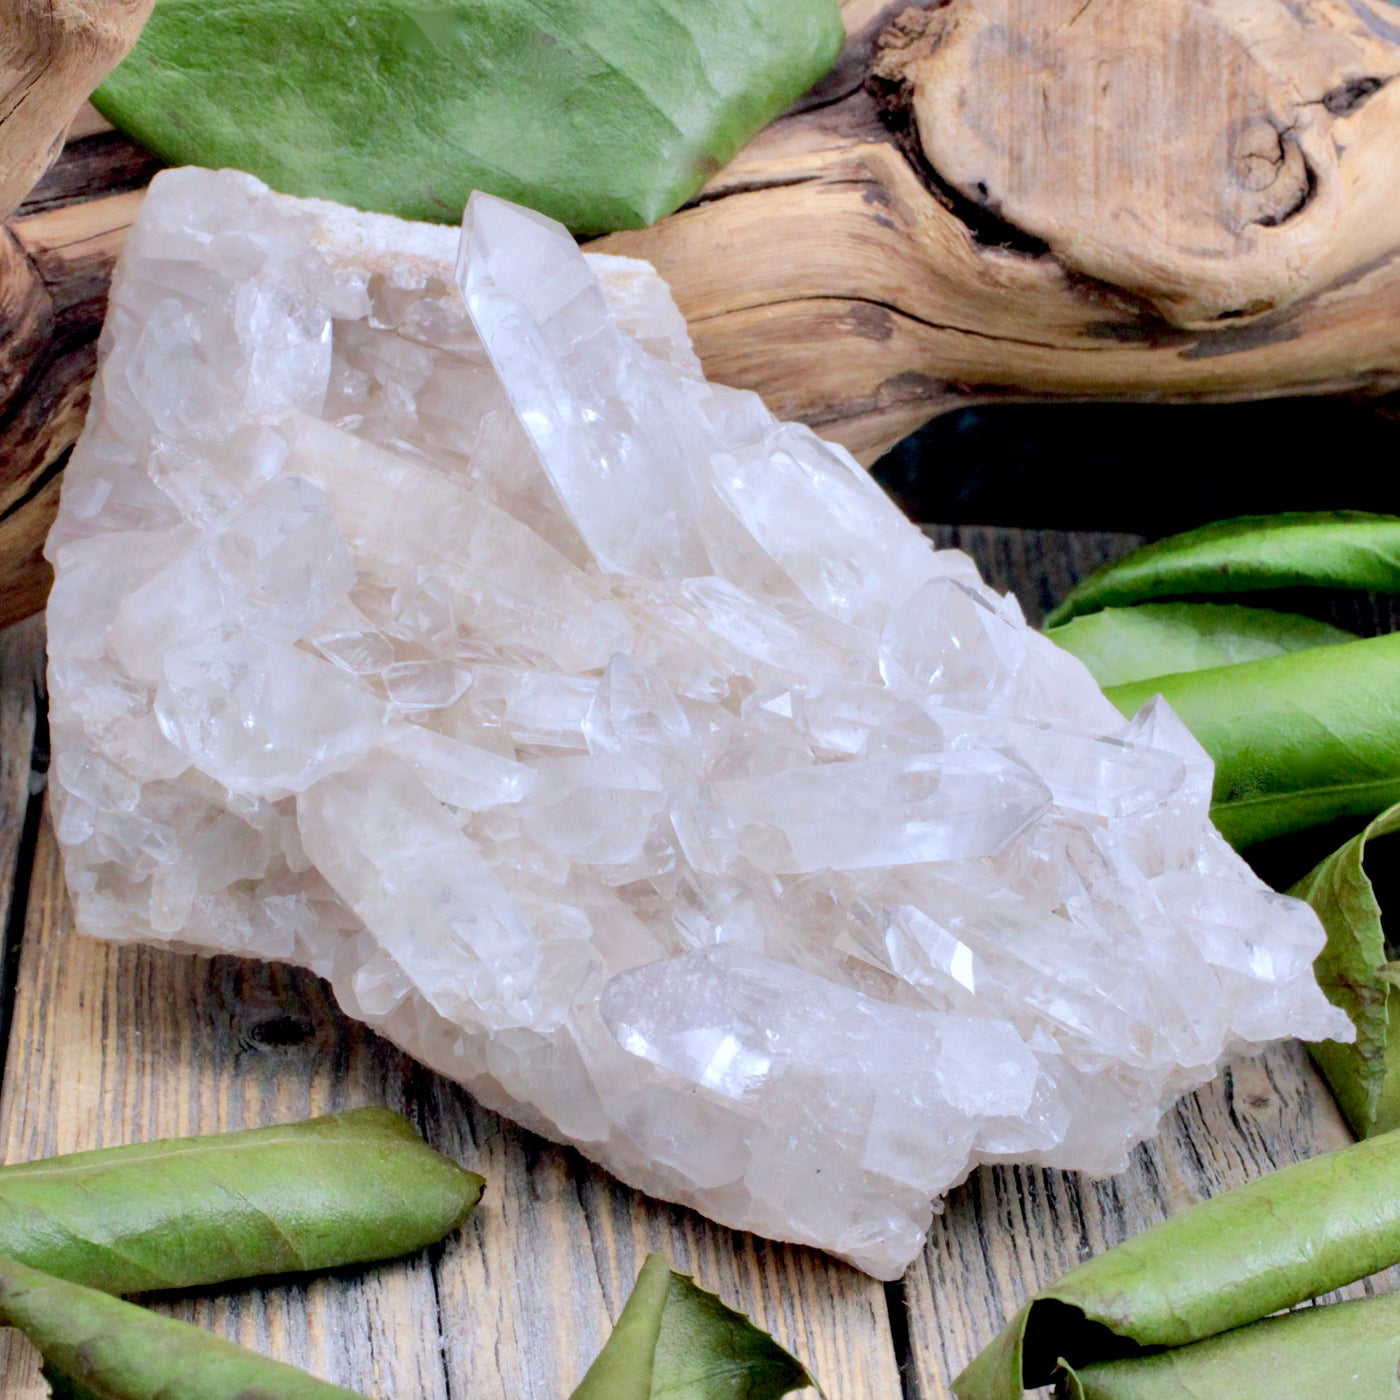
423 616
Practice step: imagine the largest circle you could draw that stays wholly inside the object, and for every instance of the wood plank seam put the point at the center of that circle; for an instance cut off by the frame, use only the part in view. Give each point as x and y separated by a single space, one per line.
523 1297
418 1092
897 1306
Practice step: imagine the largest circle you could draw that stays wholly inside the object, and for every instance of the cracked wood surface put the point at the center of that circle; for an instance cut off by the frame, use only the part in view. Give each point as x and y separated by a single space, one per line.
1164 200
113 1044
1046 199
51 56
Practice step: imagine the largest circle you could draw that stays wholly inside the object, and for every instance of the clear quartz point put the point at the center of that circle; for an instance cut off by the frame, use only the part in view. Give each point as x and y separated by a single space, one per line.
423 616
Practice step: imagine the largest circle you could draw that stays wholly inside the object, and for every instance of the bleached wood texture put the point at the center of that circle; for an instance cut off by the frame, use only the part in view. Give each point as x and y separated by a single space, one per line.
986 200
1059 199
51 56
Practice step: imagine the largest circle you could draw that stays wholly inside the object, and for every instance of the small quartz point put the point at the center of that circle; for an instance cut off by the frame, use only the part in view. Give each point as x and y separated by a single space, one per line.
423 616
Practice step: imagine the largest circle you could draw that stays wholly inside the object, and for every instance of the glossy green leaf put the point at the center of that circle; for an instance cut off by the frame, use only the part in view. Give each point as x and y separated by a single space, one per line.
342 1189
105 1349
1344 1351
1222 1264
1327 549
603 114
674 1341
1357 974
1121 645
1298 740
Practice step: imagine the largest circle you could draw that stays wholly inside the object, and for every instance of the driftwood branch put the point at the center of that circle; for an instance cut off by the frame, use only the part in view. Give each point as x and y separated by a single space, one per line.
54 271
1059 199
1167 200
52 54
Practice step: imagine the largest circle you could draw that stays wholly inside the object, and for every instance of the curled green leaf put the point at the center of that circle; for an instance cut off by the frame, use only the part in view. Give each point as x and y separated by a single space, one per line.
1298 740
603 114
343 1189
1324 549
105 1349
1222 1264
1121 645
1357 972
675 1341
1345 1351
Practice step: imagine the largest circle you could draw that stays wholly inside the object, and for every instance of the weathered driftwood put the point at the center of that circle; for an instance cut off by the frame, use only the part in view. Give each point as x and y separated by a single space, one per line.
53 275
987 199
52 54
54 270
1041 199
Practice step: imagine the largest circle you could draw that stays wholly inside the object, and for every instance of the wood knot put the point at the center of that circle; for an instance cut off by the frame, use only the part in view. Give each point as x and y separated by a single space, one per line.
1272 178
1169 150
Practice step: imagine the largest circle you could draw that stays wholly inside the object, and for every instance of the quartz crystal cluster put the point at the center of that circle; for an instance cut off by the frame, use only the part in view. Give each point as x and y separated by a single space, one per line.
422 616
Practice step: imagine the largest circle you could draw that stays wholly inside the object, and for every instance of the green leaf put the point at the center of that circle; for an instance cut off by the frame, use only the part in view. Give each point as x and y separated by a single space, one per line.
603 114
105 1349
343 1189
1344 1351
1120 645
1222 1264
674 1341
1325 549
1356 975
1297 740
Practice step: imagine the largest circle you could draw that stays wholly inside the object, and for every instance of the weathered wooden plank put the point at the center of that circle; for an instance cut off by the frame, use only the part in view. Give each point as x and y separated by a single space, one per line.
1038 566
1011 1230
114 1044
827 1314
557 1258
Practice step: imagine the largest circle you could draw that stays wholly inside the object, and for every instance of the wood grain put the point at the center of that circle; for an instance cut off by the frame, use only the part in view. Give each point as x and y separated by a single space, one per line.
21 683
957 214
54 270
51 58
968 215
1011 1230
114 1044
549 1270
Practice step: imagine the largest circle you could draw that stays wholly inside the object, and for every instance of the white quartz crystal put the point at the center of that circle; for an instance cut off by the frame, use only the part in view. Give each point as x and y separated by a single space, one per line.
422 616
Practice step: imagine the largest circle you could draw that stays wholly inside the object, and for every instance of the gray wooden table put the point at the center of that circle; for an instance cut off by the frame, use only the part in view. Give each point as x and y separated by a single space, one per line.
106 1044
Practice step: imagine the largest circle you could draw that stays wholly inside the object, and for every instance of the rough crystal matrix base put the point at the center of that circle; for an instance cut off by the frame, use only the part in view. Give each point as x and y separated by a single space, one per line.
616 749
